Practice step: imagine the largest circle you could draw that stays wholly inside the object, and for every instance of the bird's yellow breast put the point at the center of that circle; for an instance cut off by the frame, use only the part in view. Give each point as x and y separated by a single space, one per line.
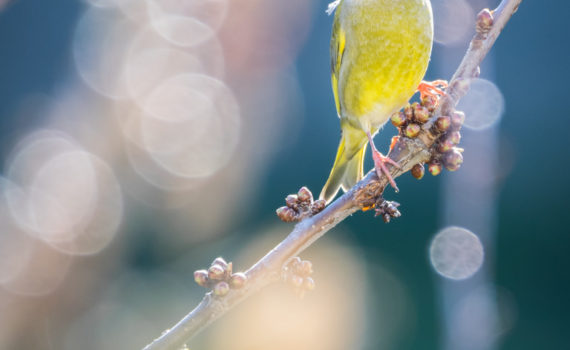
386 50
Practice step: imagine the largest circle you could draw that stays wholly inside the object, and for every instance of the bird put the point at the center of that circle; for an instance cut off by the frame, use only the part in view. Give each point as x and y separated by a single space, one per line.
380 51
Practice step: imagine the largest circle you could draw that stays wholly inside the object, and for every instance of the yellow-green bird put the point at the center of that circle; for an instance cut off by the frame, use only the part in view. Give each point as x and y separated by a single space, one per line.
380 51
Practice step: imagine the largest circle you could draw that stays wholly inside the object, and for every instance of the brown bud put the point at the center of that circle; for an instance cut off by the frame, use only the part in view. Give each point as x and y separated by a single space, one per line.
412 130
309 283
305 195
457 119
434 167
238 280
484 21
287 214
296 281
409 112
220 261
445 145
398 119
221 289
452 160
216 272
430 102
442 124
454 137
318 206
418 171
292 201
306 268
201 277
421 114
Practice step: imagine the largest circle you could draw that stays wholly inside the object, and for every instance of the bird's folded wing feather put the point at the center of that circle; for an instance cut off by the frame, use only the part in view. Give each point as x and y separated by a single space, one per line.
337 50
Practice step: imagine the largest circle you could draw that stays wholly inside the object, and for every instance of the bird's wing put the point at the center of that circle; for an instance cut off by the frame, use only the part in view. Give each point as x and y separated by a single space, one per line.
338 41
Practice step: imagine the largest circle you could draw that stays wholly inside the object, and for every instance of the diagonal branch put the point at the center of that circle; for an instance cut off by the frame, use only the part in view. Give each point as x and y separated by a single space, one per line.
407 152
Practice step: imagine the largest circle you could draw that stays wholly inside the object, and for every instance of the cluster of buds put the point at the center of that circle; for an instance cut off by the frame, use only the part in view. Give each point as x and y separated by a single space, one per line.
298 273
446 153
220 278
300 205
388 210
410 120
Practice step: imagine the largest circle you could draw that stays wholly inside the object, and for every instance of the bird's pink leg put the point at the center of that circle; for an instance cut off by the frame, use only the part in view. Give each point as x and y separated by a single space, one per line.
432 88
379 163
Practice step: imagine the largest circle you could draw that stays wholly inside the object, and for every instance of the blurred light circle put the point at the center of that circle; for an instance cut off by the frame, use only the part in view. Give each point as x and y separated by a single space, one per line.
64 196
100 224
212 13
182 31
193 125
43 271
475 316
106 3
151 59
154 174
145 68
33 149
29 155
453 21
100 44
171 132
133 9
456 253
15 245
483 105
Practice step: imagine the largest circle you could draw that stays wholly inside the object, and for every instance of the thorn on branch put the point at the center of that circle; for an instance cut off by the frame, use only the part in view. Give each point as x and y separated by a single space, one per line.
298 274
220 278
300 205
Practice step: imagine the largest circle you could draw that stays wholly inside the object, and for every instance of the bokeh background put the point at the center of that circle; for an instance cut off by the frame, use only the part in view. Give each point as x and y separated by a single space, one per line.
140 139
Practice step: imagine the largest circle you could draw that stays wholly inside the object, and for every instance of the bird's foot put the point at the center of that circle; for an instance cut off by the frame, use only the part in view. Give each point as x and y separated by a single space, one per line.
432 88
380 162
380 165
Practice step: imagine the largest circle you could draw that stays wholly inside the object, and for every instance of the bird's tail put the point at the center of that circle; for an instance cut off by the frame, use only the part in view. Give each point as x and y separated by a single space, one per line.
348 165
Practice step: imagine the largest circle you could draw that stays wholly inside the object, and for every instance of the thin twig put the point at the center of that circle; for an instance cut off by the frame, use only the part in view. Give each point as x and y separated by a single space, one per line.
407 152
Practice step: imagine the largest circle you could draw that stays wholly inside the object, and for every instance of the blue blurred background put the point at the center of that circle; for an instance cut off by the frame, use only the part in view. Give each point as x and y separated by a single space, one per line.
140 139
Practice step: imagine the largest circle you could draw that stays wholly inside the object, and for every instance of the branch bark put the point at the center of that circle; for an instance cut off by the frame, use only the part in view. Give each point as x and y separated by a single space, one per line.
407 152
